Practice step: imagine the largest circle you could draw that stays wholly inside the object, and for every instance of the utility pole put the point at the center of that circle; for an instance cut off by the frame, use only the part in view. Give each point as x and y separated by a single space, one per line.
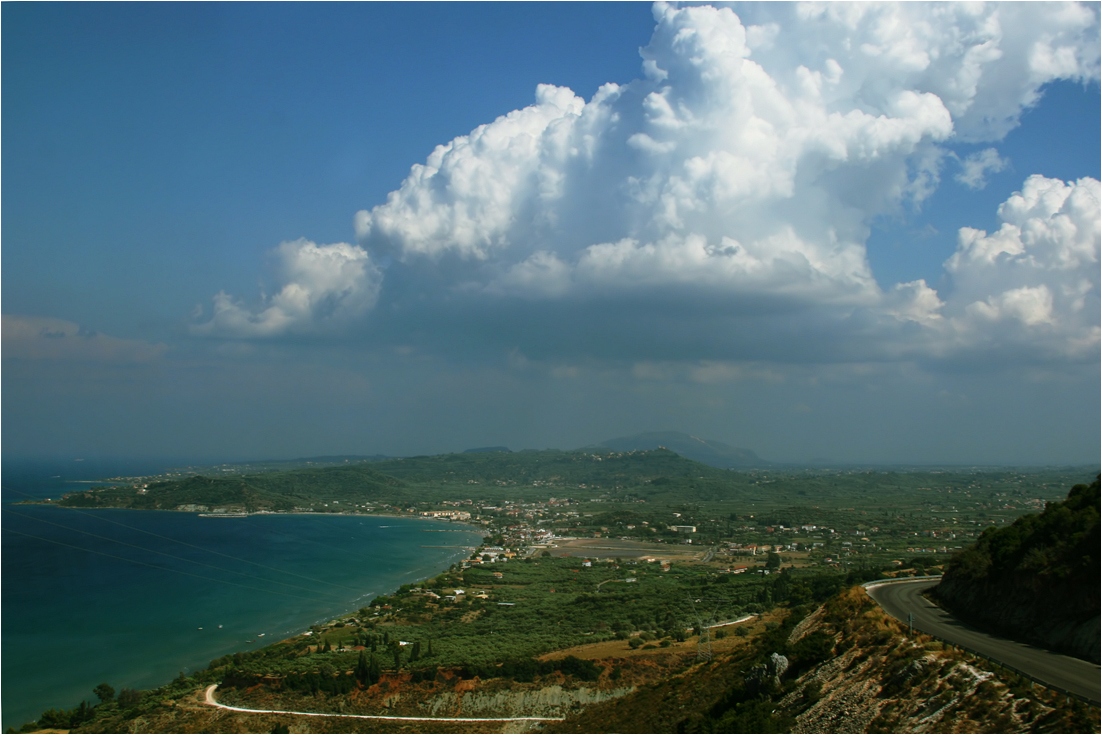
704 640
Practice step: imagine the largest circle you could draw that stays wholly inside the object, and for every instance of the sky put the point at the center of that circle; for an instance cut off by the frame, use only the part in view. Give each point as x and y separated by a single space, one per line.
859 233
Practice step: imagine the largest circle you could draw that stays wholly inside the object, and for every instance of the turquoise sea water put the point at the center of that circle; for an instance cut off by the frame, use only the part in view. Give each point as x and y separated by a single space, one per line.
132 598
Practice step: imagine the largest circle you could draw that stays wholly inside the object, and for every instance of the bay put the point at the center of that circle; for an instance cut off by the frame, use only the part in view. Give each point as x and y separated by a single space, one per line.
133 598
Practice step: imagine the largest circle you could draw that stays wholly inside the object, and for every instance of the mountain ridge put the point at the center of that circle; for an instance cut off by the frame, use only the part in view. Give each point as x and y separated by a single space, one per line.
706 451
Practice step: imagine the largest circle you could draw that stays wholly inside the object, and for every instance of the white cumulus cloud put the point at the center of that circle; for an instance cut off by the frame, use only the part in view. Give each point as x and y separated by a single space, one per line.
1035 280
469 193
725 197
325 287
749 158
974 168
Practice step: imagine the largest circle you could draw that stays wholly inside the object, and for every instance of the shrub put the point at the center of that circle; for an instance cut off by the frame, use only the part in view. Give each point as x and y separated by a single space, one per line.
129 698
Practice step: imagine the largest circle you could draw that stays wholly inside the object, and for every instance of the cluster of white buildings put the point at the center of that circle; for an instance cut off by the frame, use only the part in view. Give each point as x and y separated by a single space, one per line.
454 515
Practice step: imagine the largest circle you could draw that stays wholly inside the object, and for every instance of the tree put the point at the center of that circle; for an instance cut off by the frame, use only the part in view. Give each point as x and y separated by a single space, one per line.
416 652
361 668
128 698
104 691
54 719
81 714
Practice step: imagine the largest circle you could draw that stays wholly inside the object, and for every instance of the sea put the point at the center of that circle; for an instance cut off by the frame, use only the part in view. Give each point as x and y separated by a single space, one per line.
133 598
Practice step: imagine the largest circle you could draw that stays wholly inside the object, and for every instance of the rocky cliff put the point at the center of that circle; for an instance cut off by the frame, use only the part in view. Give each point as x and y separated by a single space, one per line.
850 668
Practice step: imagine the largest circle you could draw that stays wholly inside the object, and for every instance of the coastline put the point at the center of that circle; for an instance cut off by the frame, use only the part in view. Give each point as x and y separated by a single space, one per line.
414 555
246 514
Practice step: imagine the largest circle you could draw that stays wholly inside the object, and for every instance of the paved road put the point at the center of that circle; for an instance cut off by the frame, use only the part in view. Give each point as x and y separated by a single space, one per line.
210 700
1072 674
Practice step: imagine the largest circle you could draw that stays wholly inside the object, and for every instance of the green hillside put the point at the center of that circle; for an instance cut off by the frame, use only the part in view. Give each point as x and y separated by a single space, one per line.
657 473
602 468
271 491
1036 580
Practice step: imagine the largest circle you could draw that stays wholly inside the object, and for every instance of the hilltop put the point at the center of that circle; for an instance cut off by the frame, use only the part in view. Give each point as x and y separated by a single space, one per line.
289 490
399 482
705 451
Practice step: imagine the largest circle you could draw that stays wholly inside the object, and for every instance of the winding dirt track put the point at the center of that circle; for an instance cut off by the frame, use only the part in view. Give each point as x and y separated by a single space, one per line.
210 700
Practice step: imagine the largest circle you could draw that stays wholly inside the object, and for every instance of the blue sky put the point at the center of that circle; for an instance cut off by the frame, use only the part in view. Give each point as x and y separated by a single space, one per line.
867 233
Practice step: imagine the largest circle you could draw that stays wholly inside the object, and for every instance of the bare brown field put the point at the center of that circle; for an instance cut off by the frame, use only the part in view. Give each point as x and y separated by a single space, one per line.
611 548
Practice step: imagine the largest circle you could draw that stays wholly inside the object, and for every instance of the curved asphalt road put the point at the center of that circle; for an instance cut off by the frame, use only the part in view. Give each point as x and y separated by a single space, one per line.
1073 674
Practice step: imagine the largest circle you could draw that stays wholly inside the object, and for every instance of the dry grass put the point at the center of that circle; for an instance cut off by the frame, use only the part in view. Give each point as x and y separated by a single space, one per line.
621 649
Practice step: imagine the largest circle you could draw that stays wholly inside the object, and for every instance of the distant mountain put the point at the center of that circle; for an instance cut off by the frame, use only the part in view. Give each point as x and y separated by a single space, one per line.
705 451
481 450
533 468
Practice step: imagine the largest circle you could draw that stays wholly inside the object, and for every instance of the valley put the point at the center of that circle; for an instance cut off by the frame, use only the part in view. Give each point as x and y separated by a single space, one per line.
606 583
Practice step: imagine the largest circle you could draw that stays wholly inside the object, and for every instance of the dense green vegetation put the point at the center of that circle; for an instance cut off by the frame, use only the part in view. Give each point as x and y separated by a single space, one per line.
1061 544
291 490
1037 579
597 470
839 516
538 605
128 705
549 604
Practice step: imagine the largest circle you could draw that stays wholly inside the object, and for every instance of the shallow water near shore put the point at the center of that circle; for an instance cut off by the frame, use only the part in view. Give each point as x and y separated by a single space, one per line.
133 598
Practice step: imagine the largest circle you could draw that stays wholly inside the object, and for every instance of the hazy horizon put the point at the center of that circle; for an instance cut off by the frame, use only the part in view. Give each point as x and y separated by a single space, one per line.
154 463
868 233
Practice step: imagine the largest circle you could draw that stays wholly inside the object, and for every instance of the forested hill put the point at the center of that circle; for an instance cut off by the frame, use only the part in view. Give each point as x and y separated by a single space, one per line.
706 451
271 491
1036 580
400 482
602 468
